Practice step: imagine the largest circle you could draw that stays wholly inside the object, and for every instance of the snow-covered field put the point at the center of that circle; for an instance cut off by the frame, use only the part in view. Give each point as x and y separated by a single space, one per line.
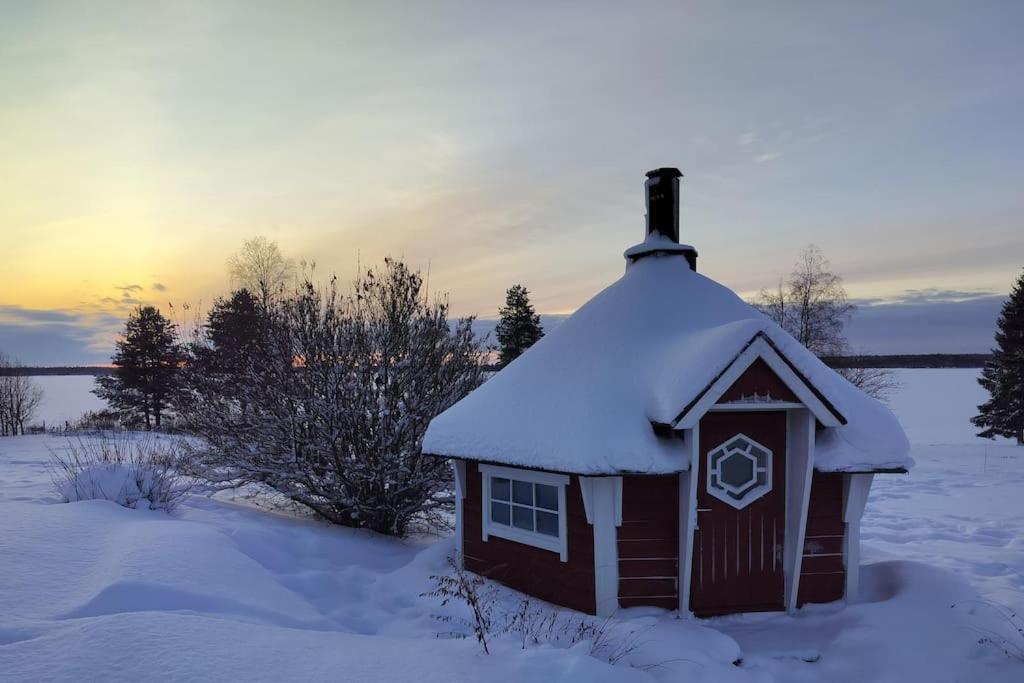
219 590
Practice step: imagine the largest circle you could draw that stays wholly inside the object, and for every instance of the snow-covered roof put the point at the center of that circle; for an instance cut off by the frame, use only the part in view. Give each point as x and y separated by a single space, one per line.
583 398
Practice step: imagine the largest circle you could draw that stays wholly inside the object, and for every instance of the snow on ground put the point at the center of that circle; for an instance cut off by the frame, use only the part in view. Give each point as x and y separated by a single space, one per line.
91 590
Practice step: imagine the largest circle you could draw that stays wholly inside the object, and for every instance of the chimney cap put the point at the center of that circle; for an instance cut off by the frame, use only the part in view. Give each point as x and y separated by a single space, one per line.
665 171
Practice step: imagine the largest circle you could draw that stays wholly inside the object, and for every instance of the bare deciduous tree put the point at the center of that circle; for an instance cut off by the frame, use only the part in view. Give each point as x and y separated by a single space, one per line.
811 304
20 398
260 267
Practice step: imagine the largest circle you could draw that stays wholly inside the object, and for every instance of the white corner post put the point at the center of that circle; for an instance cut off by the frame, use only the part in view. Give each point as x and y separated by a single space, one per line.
799 470
688 516
602 502
855 496
459 469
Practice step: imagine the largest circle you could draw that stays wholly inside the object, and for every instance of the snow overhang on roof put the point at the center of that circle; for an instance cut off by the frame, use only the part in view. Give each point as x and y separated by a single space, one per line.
646 351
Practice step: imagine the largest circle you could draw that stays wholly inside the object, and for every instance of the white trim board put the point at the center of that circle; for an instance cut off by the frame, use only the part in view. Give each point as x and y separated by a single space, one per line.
605 495
799 471
758 348
587 488
747 406
459 470
855 495
688 517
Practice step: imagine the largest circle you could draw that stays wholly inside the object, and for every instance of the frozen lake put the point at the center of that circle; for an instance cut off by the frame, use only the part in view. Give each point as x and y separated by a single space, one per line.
65 398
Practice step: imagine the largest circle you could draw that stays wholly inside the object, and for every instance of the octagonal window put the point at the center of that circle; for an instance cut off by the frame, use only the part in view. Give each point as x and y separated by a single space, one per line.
739 471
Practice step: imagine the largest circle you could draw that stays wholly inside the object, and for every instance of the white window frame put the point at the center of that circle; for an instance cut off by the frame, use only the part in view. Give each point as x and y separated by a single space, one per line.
559 544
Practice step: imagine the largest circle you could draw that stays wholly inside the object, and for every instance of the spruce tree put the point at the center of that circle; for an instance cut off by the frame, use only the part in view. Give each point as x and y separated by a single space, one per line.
519 327
1003 376
233 327
146 362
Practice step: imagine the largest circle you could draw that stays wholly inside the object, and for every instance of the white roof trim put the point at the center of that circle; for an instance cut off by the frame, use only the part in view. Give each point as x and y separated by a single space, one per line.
758 348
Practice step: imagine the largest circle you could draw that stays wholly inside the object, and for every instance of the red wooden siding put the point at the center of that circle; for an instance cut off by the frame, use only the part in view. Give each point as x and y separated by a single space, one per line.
758 380
822 573
648 542
534 571
737 555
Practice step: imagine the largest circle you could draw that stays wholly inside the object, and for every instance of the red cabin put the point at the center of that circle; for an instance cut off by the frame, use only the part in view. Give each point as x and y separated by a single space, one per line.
667 445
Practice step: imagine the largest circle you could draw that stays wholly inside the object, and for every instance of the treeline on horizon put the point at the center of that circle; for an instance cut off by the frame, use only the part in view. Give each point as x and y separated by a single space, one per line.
903 361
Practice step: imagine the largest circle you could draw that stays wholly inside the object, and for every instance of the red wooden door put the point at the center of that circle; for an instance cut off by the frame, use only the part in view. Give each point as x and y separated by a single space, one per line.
741 518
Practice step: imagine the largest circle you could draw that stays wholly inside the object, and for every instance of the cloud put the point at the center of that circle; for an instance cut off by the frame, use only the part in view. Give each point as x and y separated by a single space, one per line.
128 290
768 156
931 295
57 337
158 287
747 139
28 316
928 321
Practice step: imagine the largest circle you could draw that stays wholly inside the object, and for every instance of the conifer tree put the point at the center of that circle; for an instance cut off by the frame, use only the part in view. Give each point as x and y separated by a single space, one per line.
1003 376
233 327
519 327
146 362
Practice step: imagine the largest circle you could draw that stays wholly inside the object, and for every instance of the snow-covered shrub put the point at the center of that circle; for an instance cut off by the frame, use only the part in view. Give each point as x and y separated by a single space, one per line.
128 470
329 404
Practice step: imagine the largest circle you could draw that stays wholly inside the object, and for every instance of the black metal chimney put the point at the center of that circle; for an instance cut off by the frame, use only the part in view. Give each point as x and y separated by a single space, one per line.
663 202
662 188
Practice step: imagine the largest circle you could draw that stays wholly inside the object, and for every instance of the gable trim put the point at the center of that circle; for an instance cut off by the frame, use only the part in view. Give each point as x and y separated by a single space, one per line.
759 347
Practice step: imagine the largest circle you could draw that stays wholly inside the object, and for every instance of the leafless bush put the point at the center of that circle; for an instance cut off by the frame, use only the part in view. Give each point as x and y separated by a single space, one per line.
20 397
532 622
876 382
128 470
1010 640
330 403
536 624
474 592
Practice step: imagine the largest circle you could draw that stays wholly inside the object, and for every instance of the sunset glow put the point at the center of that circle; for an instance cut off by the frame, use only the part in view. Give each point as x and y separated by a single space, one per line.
143 143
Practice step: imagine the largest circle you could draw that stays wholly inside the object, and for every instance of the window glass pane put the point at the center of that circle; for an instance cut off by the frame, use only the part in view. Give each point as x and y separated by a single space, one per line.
736 470
499 488
522 517
547 523
500 513
522 492
547 497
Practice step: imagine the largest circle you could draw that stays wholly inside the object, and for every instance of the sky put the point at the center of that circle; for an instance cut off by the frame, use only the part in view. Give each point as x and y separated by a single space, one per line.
490 144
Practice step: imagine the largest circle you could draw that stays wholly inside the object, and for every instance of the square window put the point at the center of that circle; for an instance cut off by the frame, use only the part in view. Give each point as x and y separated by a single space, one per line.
500 513
547 523
522 518
522 492
547 497
500 488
